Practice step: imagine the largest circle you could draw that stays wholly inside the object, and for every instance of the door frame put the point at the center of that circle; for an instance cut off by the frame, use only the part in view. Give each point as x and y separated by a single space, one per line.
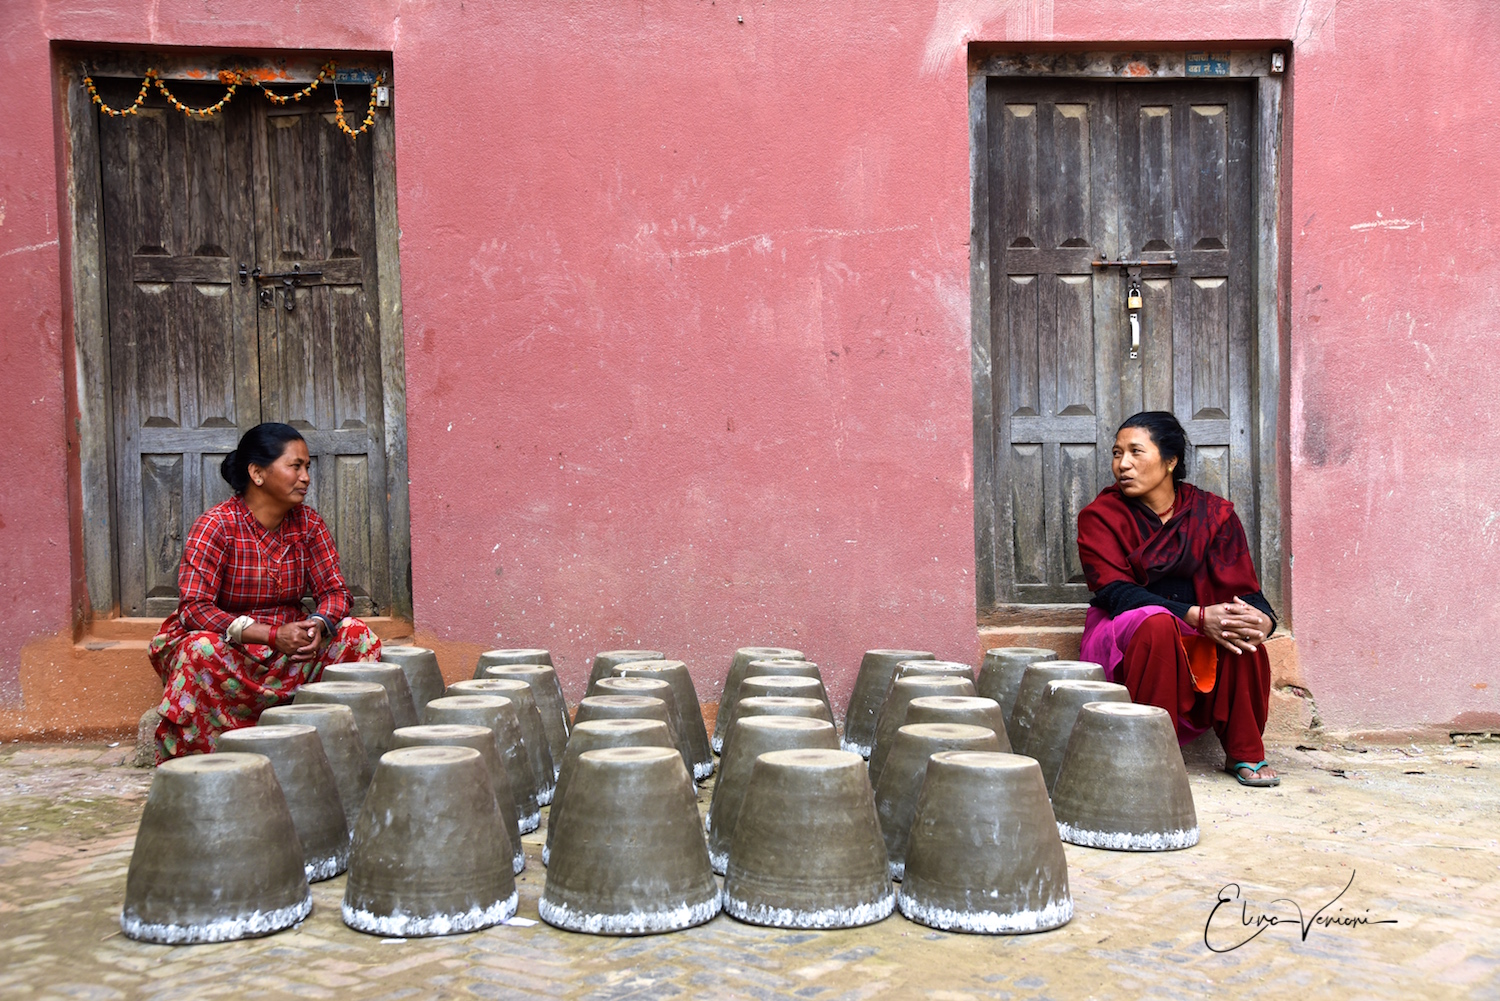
95 534
1270 321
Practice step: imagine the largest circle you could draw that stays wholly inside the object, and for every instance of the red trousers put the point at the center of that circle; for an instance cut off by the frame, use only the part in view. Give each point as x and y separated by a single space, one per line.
1156 672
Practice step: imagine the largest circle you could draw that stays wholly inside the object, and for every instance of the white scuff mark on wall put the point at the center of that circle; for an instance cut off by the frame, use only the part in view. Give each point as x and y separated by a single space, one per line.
29 247
1313 32
763 243
959 22
1379 222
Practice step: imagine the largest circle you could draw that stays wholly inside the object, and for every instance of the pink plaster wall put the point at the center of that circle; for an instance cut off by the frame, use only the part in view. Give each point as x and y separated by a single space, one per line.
686 310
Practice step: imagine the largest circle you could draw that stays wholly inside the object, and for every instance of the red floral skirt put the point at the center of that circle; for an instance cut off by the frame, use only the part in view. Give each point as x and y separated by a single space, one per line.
213 685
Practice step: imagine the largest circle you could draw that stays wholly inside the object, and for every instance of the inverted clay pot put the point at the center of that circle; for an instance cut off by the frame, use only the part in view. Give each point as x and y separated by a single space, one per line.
893 712
498 713
595 735
519 655
656 688
629 858
216 855
971 710
389 676
738 666
901 779
690 715
807 851
1053 725
754 736
352 768
592 707
430 852
422 674
983 855
1122 784
547 691
1033 685
307 781
932 668
876 670
1000 673
778 705
533 732
481 739
757 686
606 661
370 705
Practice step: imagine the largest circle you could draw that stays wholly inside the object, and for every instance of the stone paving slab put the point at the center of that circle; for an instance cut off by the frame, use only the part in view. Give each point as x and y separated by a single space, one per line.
1413 828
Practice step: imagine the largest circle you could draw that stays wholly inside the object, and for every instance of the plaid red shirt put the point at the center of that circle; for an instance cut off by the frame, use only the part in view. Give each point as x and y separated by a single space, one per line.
232 566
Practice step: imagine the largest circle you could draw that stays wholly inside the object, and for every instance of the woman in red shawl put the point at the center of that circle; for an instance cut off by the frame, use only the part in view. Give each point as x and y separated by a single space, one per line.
240 640
1177 615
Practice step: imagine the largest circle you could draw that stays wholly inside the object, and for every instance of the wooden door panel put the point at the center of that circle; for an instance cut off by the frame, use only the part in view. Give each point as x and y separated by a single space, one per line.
182 332
1080 171
320 360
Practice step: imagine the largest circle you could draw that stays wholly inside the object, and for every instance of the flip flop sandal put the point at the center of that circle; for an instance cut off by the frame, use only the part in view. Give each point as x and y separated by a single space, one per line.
1256 779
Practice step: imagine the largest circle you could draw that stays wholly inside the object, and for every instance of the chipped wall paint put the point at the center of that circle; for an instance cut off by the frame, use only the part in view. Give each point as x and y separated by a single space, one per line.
686 307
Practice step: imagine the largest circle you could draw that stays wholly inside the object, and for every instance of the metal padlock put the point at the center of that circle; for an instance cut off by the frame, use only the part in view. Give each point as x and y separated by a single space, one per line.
1133 298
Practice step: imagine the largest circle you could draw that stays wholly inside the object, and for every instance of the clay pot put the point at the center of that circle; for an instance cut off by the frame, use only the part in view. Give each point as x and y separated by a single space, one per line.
738 671
630 857
754 736
499 714
893 713
370 705
533 732
521 655
216 855
876 670
690 716
931 668
1054 720
606 661
1001 670
655 688
901 779
389 676
774 686
481 739
779 705
339 736
983 855
593 736
1033 685
307 781
547 691
422 674
807 851
594 707
970 710
1123 784
430 854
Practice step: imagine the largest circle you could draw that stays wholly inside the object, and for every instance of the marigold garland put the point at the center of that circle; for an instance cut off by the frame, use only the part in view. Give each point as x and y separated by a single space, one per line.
232 80
338 110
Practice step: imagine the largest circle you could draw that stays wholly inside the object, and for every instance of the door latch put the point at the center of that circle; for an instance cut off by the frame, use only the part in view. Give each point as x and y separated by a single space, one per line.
1133 302
288 280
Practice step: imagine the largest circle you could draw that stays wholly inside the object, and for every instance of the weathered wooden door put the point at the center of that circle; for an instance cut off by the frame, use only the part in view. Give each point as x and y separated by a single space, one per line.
1081 172
200 351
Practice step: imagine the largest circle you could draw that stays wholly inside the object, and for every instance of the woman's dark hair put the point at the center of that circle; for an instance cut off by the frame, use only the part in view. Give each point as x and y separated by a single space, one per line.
1166 434
260 446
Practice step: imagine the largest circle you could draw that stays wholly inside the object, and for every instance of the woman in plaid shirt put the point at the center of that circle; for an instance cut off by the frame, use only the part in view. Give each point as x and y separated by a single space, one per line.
240 640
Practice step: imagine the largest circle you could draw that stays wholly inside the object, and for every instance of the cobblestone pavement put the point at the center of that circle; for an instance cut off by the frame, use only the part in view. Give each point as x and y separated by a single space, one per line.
1413 828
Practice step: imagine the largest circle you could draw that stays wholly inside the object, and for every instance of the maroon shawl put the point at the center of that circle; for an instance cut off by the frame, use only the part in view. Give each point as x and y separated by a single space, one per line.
1120 539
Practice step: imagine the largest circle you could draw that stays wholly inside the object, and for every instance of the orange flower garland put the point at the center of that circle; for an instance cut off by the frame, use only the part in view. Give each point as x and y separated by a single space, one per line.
338 110
113 113
232 80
